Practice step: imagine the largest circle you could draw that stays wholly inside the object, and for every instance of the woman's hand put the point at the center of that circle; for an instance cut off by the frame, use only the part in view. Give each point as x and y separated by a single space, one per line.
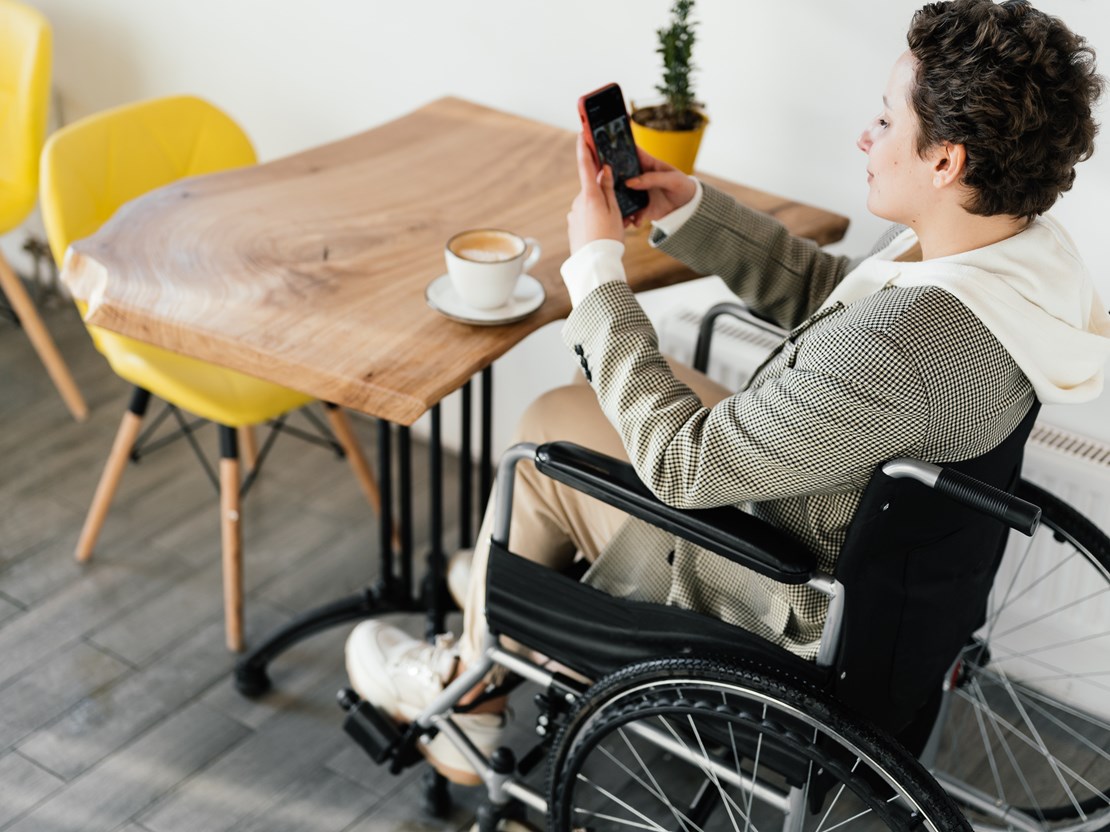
594 214
668 188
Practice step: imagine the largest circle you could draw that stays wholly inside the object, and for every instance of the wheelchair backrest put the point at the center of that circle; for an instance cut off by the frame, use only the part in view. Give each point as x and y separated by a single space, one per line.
917 570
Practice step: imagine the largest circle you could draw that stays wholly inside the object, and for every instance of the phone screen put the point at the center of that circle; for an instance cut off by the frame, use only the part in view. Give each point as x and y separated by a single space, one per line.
612 138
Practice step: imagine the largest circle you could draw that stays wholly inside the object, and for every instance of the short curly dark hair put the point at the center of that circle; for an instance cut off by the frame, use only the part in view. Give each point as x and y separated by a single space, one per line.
1013 85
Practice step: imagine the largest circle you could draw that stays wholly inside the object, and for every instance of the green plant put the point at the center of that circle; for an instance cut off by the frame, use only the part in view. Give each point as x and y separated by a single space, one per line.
676 45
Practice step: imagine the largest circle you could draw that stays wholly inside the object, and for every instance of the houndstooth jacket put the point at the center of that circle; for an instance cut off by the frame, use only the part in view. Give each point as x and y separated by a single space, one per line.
902 372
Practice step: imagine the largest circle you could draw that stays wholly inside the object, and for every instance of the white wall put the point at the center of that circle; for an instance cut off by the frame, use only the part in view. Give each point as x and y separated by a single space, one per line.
789 85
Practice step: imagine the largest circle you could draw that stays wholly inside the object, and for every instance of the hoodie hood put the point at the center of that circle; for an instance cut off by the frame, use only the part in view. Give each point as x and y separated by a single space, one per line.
1032 291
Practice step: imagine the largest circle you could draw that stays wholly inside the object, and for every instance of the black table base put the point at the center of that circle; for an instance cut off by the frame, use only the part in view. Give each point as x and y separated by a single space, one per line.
395 591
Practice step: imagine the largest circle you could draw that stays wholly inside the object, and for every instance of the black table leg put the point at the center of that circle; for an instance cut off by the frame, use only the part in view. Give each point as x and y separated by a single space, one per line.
390 594
434 595
486 463
466 470
404 454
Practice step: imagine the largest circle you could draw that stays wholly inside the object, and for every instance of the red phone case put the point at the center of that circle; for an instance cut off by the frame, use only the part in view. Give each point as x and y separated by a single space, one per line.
587 133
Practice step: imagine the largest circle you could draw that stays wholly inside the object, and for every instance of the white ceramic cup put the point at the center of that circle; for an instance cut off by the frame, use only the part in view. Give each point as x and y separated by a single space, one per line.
485 263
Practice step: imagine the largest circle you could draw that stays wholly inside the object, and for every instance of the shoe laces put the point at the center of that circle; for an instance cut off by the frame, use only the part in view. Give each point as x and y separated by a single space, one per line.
436 661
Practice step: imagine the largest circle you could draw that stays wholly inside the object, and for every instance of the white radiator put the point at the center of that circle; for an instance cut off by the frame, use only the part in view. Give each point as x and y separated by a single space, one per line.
1074 467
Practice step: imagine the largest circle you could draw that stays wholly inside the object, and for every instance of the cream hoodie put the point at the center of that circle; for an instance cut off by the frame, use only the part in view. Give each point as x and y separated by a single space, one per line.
1031 291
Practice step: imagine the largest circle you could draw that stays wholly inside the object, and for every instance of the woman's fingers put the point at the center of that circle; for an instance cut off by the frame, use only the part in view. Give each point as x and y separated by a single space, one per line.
608 190
650 163
587 167
664 180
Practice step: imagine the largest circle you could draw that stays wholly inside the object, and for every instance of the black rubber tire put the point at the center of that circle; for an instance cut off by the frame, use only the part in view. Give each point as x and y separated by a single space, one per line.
602 709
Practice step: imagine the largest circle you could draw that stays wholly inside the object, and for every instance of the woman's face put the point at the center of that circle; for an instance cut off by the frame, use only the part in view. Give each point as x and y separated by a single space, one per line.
898 179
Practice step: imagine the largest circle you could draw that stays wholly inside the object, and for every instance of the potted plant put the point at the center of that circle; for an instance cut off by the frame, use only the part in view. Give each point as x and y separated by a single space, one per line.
672 131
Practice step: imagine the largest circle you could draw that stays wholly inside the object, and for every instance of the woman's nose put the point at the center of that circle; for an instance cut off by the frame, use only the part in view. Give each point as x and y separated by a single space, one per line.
864 141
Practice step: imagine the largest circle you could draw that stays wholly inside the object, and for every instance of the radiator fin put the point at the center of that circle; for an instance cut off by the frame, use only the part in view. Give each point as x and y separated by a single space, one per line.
1071 444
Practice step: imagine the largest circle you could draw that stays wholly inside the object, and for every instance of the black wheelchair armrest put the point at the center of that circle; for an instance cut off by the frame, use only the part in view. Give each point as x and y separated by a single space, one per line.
726 531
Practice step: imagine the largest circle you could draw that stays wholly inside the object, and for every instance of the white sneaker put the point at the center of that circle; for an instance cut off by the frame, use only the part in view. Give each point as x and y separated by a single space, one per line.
401 675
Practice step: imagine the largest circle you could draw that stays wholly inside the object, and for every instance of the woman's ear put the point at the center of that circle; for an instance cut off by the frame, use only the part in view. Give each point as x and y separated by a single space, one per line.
949 161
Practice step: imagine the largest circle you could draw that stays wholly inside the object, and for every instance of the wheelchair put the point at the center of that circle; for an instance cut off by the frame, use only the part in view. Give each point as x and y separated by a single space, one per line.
950 689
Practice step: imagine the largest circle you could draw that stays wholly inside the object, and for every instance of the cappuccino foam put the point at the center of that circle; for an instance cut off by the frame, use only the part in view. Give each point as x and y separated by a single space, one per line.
482 255
486 246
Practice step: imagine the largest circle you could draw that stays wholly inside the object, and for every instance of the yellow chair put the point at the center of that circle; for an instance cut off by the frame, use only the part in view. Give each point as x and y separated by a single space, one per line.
89 169
24 96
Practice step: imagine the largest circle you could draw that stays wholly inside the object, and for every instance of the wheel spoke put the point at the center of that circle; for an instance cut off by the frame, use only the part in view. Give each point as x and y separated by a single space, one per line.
1040 744
712 775
621 821
1016 732
858 815
1047 666
755 768
707 770
1006 747
1004 603
1060 564
836 799
623 804
1045 616
1075 735
987 747
654 789
1061 706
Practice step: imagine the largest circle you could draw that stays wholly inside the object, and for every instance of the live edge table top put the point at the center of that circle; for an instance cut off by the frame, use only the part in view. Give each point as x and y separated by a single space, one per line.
310 271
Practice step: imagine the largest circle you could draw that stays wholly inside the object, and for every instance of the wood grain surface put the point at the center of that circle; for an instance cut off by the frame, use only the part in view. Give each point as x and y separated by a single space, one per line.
310 271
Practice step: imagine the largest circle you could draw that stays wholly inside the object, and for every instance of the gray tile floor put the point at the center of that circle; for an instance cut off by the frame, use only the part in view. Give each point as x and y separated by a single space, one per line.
116 707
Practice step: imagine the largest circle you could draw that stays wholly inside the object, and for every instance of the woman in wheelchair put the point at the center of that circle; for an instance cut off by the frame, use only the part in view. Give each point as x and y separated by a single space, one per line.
939 346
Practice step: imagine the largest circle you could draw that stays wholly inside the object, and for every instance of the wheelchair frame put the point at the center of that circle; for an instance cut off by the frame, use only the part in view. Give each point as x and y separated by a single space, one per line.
504 787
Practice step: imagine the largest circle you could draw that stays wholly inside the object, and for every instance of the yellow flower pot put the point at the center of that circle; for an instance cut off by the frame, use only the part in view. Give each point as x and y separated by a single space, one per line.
675 147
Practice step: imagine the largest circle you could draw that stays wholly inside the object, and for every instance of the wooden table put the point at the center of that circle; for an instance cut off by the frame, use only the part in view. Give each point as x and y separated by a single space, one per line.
310 271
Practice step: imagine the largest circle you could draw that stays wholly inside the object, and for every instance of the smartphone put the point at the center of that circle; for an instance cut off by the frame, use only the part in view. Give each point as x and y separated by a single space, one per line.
606 127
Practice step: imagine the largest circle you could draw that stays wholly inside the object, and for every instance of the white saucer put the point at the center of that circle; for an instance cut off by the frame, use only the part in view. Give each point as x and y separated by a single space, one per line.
526 299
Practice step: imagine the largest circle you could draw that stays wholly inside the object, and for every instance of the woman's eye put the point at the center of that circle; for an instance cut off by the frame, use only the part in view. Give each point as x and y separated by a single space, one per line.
882 122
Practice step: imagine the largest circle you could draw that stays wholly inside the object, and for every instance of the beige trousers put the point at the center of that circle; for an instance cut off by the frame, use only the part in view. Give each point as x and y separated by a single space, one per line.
551 523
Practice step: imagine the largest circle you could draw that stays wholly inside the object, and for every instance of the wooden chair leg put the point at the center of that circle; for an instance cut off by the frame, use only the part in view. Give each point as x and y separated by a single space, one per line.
230 535
248 446
42 342
341 427
113 469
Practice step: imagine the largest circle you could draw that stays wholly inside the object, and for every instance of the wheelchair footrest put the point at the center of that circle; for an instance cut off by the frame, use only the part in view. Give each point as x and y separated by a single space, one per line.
376 733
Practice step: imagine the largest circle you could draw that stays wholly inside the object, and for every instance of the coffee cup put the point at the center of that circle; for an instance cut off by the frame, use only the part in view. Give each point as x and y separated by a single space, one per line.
485 263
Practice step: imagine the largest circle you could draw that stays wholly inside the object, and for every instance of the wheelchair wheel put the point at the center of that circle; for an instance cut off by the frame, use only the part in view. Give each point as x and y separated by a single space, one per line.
1024 740
698 745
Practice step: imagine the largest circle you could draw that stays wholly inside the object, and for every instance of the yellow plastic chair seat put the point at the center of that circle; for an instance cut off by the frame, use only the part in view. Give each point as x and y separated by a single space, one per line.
216 393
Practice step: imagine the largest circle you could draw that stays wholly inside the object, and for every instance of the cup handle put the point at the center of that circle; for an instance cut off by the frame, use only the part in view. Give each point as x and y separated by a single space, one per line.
532 258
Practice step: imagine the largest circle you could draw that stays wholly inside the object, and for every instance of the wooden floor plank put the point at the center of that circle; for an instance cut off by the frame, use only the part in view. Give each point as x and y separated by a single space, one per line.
102 723
24 525
22 785
320 801
9 609
125 784
258 774
106 593
52 687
